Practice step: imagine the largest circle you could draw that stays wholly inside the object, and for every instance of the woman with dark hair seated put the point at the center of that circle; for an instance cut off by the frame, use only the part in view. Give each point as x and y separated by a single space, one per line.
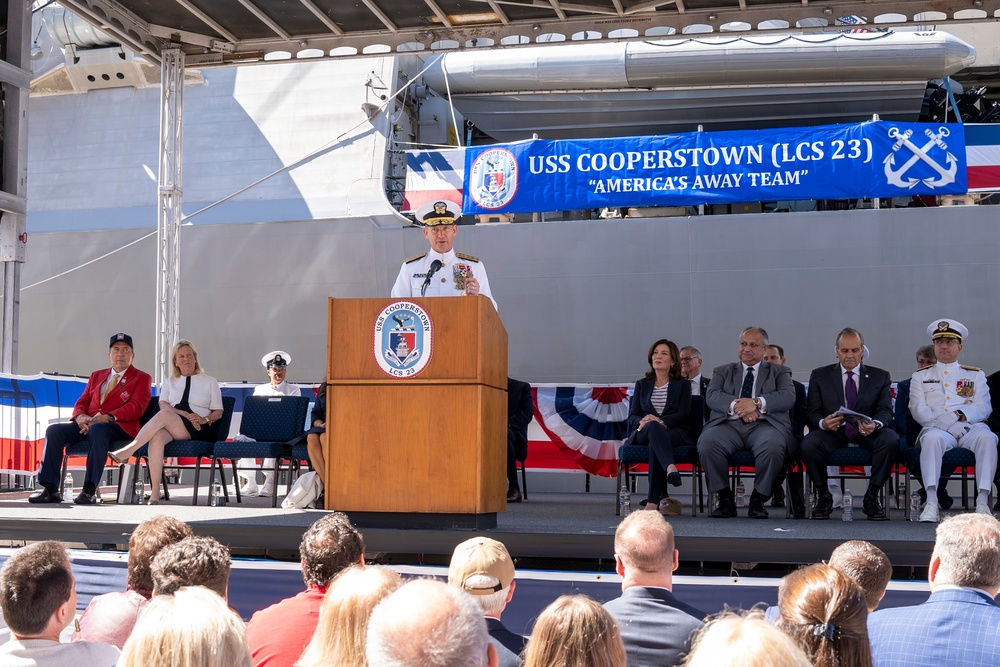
658 417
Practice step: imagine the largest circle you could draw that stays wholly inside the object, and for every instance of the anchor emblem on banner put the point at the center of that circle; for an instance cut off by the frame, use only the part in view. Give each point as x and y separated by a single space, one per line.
897 176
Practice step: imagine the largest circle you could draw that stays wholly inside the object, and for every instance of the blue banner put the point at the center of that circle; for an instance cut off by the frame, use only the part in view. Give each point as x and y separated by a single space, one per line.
874 159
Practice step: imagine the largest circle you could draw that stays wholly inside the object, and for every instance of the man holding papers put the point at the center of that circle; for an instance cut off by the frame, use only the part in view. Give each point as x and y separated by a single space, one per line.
849 403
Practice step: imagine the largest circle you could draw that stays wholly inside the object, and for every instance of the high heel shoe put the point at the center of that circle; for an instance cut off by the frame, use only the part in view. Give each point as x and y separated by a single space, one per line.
153 501
674 478
119 458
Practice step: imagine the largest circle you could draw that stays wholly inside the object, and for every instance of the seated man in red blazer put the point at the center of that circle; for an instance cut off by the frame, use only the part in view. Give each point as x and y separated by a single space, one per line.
109 410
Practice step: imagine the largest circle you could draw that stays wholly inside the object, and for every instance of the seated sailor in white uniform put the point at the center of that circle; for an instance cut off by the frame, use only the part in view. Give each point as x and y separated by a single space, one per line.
276 365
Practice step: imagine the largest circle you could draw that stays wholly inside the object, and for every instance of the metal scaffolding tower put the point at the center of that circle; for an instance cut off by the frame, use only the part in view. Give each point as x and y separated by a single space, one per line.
168 219
15 80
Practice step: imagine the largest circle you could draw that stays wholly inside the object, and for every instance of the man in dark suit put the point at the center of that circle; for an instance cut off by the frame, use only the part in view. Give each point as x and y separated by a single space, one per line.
108 410
519 412
691 370
865 390
483 568
655 627
776 355
750 402
959 624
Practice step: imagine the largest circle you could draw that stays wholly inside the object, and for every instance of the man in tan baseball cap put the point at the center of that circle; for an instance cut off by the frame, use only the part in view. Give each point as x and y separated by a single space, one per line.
483 568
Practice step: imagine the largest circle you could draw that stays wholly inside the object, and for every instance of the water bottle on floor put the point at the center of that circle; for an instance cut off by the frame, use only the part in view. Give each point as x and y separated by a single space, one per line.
68 482
915 506
625 501
901 496
218 498
741 494
138 487
848 505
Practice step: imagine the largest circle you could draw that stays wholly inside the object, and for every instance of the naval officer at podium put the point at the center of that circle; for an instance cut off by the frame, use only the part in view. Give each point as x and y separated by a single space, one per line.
441 271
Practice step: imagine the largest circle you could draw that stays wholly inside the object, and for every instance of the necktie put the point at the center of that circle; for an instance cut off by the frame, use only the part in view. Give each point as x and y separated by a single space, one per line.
747 390
111 385
851 395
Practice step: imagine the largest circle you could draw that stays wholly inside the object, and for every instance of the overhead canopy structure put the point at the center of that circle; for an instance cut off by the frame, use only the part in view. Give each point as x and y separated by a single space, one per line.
220 32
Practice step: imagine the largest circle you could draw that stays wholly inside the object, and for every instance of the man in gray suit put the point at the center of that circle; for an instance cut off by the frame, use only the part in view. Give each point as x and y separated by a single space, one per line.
750 402
655 627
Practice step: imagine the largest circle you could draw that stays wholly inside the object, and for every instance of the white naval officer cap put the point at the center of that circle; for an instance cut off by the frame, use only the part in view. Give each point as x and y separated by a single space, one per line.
276 358
947 329
438 212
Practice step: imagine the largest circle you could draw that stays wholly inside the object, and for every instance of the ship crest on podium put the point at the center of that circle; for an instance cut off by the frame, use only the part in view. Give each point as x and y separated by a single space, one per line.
402 339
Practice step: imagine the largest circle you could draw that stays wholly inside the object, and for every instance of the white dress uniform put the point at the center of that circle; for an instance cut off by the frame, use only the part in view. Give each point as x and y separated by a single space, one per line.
446 281
936 392
283 389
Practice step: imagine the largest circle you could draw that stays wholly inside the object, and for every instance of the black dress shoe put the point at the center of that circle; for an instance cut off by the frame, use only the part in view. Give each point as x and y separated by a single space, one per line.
778 499
824 506
85 499
514 496
674 479
725 510
45 496
756 509
944 500
873 508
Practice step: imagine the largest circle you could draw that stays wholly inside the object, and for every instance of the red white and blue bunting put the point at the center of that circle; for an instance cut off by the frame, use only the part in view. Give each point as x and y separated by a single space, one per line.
588 423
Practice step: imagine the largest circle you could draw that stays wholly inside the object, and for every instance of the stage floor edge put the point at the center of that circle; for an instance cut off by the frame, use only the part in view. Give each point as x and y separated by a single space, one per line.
569 527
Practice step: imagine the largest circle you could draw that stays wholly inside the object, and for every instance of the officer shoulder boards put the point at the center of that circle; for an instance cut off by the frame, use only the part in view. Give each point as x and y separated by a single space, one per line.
415 258
925 368
462 255
969 368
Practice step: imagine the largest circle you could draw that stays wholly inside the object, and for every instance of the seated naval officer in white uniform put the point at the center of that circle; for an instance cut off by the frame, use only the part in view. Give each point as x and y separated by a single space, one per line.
276 364
441 271
951 402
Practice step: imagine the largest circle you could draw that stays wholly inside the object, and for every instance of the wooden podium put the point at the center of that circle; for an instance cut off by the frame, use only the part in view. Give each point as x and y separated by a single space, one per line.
423 451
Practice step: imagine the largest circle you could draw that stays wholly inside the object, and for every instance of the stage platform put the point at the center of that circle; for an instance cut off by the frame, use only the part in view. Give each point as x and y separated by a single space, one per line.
550 530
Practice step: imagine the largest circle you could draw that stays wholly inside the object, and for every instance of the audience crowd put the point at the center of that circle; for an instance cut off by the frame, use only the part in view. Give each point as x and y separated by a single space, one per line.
174 611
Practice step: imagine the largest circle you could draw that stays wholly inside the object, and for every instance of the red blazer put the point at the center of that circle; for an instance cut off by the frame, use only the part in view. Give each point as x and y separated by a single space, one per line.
127 401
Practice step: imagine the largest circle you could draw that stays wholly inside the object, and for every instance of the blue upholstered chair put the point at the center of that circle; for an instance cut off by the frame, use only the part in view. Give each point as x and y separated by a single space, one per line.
271 422
299 451
195 449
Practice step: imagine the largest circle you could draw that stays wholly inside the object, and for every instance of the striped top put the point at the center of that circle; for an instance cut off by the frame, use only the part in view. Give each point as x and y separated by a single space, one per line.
659 398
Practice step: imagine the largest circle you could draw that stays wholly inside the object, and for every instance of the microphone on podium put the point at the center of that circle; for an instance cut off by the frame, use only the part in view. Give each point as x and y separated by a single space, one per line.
435 267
